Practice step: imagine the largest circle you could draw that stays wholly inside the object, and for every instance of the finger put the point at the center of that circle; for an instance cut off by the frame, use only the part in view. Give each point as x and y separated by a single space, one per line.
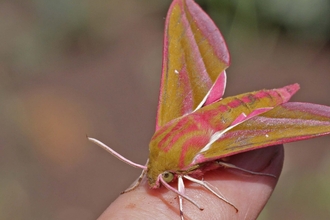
249 193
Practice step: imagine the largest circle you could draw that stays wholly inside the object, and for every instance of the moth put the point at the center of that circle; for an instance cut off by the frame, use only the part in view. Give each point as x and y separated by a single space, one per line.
196 127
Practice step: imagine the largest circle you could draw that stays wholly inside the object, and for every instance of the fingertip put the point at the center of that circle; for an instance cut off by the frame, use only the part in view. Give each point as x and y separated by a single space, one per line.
143 203
249 193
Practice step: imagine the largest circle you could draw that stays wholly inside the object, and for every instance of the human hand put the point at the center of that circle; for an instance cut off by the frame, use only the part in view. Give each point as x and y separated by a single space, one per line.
249 193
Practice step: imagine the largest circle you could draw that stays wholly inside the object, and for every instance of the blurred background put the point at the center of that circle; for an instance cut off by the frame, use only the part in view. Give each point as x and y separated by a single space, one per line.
74 67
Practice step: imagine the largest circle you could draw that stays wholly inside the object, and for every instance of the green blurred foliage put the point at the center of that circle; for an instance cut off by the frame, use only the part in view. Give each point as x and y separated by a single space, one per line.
305 20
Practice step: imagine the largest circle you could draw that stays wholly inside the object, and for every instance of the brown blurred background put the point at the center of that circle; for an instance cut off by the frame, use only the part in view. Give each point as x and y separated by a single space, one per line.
70 68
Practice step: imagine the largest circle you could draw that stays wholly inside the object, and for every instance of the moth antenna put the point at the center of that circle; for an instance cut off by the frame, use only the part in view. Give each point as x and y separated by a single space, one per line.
209 187
115 154
178 193
232 166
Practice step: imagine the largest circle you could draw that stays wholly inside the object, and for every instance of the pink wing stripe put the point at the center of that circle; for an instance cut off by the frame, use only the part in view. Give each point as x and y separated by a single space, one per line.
218 89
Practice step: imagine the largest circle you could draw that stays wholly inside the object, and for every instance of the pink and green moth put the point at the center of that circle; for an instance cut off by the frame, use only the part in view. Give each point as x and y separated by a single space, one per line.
196 127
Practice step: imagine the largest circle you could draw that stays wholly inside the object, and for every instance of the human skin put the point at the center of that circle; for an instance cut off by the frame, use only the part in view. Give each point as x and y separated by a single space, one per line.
249 193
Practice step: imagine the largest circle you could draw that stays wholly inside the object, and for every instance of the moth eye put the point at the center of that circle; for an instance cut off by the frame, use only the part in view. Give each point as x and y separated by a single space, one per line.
168 176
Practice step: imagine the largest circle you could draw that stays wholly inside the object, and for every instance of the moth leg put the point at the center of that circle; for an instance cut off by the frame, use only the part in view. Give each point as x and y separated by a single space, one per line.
137 182
164 183
210 188
181 189
232 166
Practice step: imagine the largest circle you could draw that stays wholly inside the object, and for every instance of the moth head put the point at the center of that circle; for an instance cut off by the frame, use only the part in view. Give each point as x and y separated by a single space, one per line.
157 174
